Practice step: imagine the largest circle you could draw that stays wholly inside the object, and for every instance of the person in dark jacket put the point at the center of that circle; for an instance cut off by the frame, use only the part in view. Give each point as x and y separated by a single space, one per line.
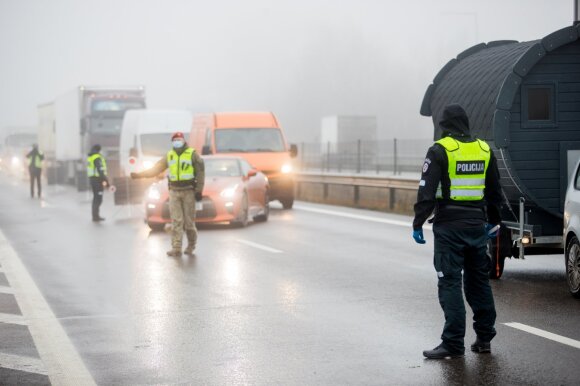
35 158
97 173
460 185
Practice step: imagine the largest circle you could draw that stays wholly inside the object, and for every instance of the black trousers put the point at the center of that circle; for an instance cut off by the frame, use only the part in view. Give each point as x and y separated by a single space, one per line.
97 186
35 177
456 250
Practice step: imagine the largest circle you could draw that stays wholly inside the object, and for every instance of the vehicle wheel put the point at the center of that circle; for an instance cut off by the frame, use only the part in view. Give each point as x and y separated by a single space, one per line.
287 203
496 266
264 217
156 226
242 221
572 257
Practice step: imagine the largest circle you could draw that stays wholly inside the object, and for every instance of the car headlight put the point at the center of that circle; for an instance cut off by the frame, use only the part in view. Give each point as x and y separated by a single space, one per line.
148 164
287 168
15 161
229 192
154 193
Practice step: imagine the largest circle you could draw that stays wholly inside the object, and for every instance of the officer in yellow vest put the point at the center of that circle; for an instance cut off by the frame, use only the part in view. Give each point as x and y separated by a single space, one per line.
460 184
186 179
35 158
97 173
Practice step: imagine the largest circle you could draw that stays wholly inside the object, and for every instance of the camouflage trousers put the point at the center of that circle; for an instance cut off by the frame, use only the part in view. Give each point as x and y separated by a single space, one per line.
182 211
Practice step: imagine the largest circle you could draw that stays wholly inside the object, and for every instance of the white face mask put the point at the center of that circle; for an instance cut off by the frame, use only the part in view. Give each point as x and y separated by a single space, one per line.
178 144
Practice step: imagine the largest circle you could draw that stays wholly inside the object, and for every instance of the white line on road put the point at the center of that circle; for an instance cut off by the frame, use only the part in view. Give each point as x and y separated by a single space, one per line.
20 363
406 224
545 334
259 246
63 364
13 319
6 290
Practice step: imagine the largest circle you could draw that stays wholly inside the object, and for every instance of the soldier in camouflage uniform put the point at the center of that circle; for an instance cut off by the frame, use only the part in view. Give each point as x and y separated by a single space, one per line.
186 179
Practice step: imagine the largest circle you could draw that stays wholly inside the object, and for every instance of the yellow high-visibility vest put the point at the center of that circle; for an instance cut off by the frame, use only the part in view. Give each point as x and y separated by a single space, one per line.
468 162
36 161
181 166
91 169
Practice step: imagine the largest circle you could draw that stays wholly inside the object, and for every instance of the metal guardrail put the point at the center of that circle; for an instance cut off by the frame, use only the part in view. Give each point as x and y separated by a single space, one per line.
399 193
404 183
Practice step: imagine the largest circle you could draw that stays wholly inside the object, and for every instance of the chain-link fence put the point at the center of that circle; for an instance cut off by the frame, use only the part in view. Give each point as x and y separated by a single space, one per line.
394 156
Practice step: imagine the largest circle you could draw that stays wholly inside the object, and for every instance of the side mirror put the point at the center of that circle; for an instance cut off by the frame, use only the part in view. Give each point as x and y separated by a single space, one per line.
133 152
293 151
252 173
205 150
83 126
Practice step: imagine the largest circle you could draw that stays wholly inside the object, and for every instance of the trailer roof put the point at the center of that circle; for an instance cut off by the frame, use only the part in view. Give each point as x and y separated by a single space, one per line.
485 78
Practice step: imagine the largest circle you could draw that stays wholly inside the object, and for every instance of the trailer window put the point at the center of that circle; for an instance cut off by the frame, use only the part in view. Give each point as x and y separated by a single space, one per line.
538 107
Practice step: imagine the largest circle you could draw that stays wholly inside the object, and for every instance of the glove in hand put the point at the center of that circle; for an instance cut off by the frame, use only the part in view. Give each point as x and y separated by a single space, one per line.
488 230
198 196
418 236
134 175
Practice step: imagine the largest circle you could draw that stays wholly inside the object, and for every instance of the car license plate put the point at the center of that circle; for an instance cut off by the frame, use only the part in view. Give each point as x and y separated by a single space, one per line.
198 206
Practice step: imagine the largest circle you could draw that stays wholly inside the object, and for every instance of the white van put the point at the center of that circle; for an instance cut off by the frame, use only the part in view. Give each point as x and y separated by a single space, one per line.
146 136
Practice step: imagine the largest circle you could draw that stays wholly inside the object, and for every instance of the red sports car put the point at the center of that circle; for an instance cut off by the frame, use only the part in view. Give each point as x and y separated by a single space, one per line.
234 192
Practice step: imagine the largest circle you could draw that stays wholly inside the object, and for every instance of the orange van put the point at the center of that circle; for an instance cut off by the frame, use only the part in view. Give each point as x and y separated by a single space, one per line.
255 136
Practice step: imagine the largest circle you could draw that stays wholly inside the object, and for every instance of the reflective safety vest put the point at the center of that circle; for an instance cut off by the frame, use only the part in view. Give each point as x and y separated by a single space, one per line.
468 164
36 161
92 170
181 166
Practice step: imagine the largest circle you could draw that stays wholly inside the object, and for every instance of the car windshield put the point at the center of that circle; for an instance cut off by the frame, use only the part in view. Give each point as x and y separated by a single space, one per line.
101 125
222 168
155 145
248 140
106 105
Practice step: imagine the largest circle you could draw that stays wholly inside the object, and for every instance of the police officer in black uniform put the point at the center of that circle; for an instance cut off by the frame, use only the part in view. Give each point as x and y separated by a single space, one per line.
460 185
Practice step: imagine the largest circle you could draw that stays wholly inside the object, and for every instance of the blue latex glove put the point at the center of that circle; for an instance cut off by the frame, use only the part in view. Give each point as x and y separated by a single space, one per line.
418 236
491 230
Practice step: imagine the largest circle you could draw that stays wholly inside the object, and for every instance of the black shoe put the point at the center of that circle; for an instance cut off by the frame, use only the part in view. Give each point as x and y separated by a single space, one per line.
480 347
441 352
97 219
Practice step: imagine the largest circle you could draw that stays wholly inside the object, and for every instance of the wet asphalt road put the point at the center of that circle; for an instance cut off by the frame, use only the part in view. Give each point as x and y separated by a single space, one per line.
306 298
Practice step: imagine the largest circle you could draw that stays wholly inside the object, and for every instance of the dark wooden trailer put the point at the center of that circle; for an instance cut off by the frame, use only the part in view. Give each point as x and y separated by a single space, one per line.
524 99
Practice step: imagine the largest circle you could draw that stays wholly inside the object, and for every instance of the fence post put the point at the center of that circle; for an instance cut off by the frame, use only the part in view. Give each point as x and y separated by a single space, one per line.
327 156
395 156
358 155
302 166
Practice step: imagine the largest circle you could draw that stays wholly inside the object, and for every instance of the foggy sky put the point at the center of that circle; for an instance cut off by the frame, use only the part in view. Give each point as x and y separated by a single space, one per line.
302 59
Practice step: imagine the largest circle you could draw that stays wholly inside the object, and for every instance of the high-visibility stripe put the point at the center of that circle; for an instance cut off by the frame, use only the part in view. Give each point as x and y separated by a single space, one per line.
468 182
466 192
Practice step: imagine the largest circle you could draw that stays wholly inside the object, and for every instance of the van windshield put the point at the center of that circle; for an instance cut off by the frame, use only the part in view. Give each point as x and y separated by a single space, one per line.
248 140
156 144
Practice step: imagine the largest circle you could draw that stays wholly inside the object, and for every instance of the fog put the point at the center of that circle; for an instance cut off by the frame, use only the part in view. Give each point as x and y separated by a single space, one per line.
301 59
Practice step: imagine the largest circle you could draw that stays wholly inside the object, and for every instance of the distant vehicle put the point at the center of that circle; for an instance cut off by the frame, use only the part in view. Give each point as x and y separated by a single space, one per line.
234 192
72 123
146 136
255 136
572 233
13 155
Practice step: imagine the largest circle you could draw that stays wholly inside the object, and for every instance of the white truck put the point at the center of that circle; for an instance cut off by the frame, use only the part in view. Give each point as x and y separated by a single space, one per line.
146 136
72 123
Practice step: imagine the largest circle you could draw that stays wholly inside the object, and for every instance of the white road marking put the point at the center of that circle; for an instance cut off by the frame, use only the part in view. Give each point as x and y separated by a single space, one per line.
13 319
63 364
545 334
259 246
406 224
20 363
6 290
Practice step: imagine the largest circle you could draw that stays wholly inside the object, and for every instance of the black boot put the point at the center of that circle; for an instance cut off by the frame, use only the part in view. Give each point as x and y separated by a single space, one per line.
480 347
440 352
